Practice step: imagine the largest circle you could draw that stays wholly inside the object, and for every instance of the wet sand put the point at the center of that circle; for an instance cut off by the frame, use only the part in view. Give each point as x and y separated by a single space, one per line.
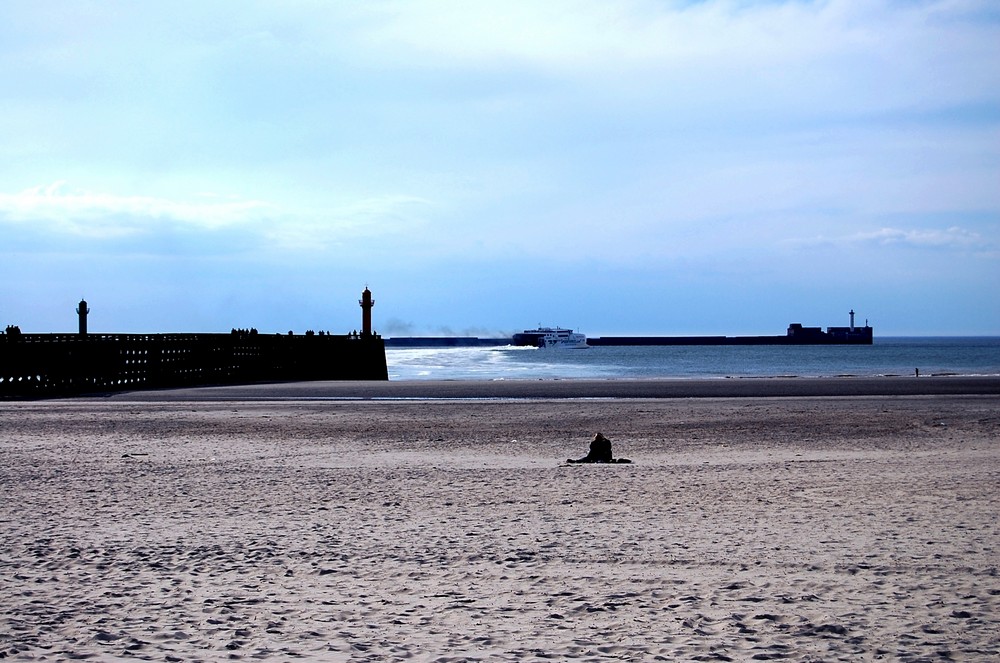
549 389
313 522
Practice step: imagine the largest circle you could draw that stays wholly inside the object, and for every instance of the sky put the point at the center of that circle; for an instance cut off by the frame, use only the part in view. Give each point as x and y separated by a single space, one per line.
628 167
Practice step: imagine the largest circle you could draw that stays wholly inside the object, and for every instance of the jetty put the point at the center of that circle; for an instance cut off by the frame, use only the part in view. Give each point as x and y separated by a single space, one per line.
58 365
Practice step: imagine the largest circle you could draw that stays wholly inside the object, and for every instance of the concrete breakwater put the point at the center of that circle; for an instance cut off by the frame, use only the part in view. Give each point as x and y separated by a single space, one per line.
51 365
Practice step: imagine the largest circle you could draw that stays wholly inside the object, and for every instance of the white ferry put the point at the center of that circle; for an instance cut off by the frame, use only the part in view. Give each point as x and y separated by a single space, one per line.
551 337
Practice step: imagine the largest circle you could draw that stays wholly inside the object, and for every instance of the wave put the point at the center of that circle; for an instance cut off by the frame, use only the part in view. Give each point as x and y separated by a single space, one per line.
901 357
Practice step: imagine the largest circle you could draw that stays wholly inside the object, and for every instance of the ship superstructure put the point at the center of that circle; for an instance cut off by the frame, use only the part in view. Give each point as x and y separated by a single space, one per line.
550 337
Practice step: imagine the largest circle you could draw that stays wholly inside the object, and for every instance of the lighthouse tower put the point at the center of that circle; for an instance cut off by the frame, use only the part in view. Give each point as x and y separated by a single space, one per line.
82 311
367 303
852 319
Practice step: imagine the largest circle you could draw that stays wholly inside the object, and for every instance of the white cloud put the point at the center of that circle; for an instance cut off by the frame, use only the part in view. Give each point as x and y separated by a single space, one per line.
953 238
852 54
55 209
98 215
948 238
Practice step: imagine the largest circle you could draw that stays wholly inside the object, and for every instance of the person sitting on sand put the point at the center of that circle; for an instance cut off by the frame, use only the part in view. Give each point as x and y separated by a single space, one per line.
600 452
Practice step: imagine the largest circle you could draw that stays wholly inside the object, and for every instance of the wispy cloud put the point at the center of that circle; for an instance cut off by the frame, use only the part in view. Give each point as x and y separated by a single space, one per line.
377 216
898 53
56 209
948 238
953 238
103 215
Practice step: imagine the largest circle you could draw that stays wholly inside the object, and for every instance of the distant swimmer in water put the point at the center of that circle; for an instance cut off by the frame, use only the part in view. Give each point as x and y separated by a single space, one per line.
600 452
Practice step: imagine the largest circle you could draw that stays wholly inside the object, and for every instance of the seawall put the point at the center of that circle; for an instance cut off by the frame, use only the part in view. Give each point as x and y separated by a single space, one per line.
444 342
824 339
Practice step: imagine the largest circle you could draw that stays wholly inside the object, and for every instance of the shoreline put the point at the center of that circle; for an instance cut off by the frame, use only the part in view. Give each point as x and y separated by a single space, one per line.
776 387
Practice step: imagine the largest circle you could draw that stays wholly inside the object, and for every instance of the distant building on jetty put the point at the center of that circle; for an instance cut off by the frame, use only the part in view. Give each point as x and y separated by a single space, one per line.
51 365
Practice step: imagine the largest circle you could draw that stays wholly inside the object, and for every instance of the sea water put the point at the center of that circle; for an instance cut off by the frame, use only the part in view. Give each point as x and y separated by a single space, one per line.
885 357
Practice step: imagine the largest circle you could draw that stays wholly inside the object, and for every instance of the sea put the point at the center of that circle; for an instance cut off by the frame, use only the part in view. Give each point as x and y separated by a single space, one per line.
890 356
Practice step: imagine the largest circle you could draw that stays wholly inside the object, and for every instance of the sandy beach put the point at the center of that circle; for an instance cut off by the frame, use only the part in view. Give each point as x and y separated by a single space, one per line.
811 521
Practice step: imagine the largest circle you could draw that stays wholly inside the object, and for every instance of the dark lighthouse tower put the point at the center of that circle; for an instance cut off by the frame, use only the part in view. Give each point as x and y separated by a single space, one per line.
367 303
82 310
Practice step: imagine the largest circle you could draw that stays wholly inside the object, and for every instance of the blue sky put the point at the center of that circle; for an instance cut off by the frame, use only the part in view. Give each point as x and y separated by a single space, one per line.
629 167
